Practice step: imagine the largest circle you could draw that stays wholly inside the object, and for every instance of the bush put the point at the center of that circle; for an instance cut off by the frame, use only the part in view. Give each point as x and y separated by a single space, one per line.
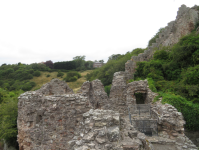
151 85
27 86
60 74
37 73
47 75
31 71
29 76
72 76
107 89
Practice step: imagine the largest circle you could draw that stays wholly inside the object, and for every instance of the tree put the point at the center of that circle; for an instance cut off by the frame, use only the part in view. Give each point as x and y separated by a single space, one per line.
49 63
80 61
102 61
114 57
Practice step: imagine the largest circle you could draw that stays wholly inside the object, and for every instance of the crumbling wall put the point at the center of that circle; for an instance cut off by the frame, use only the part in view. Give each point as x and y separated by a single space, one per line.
55 87
171 126
183 25
122 95
49 121
94 91
99 130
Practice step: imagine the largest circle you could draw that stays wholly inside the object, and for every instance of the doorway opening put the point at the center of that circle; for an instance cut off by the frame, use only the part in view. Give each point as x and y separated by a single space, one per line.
140 98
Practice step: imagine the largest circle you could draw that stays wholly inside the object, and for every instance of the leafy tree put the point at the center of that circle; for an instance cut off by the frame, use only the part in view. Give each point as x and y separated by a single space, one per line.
114 57
102 61
49 63
80 61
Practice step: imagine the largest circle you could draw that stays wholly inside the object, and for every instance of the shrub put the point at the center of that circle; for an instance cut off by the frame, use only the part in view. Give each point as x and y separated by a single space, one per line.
27 87
107 89
72 76
31 71
47 75
29 76
60 74
37 73
151 85
32 84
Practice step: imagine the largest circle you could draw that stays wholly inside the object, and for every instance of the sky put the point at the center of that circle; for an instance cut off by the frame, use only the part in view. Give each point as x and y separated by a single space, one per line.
58 30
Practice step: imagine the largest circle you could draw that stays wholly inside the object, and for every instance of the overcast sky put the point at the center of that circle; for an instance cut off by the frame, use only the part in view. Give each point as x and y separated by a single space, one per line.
58 30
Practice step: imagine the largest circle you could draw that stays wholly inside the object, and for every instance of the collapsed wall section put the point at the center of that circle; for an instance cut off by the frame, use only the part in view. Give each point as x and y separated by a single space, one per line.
94 91
49 117
48 122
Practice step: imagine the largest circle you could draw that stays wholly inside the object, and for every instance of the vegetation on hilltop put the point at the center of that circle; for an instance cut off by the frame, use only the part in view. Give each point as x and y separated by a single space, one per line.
175 75
115 64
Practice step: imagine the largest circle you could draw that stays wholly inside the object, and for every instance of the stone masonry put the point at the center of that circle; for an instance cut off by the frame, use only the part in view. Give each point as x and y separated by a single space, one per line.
94 91
49 121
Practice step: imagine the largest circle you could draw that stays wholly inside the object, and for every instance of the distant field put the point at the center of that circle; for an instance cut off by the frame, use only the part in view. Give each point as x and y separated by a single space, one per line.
43 79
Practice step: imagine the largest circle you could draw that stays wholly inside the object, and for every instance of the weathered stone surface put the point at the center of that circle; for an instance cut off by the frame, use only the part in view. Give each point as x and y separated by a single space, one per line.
55 87
48 122
123 96
94 91
103 129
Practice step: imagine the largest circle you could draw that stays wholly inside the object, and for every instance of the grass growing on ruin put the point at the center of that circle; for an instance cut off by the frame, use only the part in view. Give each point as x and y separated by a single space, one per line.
48 76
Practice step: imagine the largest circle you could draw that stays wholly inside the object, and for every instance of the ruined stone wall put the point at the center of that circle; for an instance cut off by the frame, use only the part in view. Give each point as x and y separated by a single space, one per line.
183 25
171 125
122 95
94 91
47 121
100 130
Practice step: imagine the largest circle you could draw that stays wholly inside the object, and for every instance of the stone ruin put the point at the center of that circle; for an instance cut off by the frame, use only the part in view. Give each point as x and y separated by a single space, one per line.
54 118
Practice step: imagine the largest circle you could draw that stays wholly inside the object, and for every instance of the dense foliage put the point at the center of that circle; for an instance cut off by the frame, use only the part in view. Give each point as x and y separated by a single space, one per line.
115 64
77 64
17 76
8 116
72 76
174 71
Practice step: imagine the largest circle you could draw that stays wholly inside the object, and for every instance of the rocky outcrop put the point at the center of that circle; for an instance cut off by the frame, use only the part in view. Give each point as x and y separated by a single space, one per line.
183 25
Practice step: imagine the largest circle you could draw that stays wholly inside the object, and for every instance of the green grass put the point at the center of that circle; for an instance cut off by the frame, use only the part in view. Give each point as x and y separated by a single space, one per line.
43 79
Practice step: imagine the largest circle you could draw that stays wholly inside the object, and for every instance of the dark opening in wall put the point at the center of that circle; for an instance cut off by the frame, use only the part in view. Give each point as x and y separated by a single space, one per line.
140 98
39 118
97 106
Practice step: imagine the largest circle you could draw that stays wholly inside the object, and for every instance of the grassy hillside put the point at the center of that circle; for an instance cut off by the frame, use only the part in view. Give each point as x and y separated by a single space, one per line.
46 77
